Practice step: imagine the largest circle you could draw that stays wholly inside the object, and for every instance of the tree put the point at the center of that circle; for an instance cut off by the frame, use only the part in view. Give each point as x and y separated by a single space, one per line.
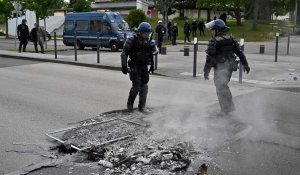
164 7
180 5
135 17
206 4
82 6
6 7
233 7
42 8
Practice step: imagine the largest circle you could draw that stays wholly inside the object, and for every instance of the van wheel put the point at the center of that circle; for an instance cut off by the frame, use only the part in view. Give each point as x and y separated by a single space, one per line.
114 47
79 45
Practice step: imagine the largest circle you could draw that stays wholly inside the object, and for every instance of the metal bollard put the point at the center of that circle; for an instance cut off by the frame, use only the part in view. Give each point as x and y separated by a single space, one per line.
75 45
288 45
262 49
242 43
186 51
98 47
195 57
55 46
164 50
276 47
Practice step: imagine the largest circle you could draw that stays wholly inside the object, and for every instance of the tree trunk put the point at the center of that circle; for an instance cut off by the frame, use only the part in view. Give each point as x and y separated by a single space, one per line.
199 13
238 18
37 19
181 13
208 15
6 27
255 14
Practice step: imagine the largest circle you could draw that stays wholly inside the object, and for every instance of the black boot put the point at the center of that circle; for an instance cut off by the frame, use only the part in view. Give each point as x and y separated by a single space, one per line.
131 98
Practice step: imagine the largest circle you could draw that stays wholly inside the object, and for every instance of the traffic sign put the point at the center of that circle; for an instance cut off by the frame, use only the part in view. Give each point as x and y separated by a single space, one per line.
17 6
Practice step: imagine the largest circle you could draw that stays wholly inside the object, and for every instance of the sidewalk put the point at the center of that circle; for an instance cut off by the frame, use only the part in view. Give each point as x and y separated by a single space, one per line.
264 69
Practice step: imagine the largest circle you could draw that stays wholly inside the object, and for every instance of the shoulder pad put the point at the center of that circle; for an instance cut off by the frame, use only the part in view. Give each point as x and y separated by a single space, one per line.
128 44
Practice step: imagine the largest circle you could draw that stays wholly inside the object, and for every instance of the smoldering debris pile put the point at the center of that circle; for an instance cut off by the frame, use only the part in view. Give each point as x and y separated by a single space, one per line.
151 160
147 151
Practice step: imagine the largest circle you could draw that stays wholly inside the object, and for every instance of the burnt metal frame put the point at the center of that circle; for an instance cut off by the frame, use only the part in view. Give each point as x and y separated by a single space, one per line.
90 124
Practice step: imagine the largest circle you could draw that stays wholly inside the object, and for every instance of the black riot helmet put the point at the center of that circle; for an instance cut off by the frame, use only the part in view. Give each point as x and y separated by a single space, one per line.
24 21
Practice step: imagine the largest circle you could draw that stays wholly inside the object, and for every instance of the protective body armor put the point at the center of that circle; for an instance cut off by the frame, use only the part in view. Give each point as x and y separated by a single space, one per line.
141 52
223 48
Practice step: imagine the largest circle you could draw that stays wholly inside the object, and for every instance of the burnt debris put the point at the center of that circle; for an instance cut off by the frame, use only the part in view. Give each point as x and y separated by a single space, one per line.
172 159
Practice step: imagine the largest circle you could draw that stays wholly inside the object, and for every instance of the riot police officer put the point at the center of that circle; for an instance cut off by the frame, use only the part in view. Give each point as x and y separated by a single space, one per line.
140 50
221 53
23 35
160 31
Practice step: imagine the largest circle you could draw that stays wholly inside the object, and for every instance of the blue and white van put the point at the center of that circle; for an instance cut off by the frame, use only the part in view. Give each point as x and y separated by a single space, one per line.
111 26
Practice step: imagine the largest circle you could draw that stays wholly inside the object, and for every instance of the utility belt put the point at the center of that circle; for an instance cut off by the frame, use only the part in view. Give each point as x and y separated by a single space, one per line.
140 58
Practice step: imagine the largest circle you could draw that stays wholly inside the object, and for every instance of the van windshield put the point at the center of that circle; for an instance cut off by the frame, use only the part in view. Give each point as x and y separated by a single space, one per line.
120 25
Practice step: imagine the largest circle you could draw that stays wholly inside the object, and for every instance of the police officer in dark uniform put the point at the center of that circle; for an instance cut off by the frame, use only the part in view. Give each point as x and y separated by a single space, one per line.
160 31
221 53
140 50
23 35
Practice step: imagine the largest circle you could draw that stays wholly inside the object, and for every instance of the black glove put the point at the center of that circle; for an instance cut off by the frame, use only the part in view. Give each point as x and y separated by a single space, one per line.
246 68
124 69
206 76
151 69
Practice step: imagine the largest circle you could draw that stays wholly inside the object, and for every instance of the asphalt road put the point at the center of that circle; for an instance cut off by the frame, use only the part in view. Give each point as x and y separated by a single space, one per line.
272 146
37 98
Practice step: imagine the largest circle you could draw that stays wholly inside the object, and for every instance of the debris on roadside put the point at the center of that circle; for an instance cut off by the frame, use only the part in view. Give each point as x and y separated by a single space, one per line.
172 159
125 144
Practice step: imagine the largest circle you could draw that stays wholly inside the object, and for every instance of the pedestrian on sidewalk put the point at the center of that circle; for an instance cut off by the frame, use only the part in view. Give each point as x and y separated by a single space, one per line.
221 53
160 32
37 36
201 27
23 35
140 50
194 28
187 30
174 33
169 27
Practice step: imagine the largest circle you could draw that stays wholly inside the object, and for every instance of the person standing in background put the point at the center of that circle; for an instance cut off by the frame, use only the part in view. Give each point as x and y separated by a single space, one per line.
160 31
23 35
187 30
169 27
174 33
201 27
37 36
194 28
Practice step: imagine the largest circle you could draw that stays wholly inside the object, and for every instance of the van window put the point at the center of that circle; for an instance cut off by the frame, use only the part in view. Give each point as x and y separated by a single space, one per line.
95 26
120 26
106 27
82 25
69 26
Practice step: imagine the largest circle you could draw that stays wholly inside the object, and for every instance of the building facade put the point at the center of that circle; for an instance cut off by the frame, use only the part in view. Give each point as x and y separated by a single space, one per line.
124 6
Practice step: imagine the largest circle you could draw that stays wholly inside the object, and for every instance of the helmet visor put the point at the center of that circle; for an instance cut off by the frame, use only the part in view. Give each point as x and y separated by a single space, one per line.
146 34
210 25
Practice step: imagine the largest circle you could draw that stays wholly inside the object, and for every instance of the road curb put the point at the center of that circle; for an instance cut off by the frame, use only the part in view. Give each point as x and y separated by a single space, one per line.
69 63
63 62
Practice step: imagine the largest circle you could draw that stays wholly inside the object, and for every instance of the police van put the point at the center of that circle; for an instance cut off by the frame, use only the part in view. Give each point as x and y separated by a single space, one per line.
112 28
